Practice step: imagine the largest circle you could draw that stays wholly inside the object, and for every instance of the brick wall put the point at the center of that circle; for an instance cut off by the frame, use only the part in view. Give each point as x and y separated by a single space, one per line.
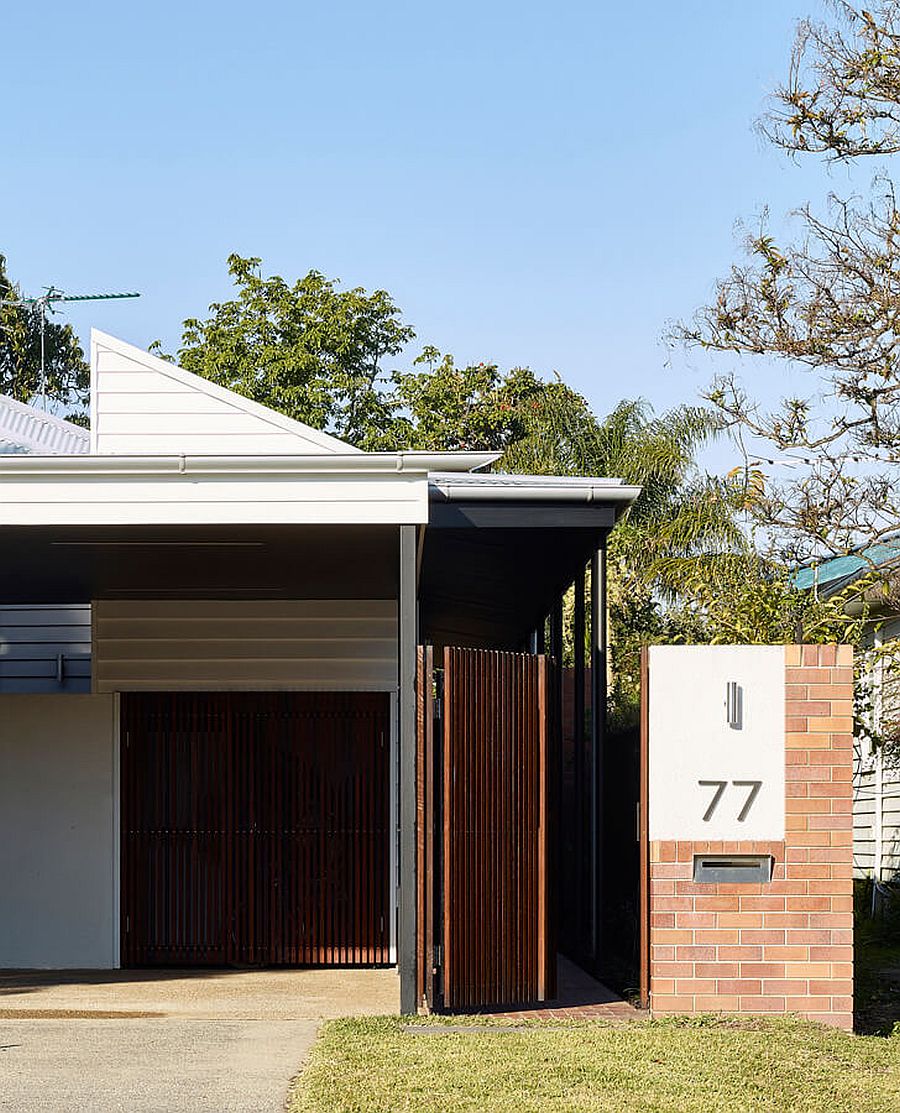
784 946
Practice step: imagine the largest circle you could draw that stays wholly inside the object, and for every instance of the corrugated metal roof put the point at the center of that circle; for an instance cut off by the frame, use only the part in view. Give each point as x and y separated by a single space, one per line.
27 430
831 575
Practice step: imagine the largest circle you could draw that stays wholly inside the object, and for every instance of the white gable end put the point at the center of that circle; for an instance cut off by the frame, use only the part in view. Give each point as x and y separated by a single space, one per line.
142 405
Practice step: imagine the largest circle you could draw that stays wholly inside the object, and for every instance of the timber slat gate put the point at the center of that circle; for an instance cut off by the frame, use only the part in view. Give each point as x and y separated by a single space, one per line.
485 793
255 829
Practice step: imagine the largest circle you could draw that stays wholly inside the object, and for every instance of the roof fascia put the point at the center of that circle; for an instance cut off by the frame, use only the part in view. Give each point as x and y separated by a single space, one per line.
353 463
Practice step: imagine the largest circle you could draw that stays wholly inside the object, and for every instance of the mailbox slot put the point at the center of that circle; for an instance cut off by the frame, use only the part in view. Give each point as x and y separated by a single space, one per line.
733 868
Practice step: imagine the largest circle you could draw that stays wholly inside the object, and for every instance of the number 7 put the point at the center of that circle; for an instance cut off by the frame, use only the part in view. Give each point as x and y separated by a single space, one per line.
754 787
717 796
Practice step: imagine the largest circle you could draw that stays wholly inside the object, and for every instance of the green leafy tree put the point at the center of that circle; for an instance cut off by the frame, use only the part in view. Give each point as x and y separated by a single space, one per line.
441 407
67 375
308 349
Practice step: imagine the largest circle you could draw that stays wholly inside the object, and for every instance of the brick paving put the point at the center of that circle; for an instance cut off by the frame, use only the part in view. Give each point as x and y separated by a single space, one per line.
580 997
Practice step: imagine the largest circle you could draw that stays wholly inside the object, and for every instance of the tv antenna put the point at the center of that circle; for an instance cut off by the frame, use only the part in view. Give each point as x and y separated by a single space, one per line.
46 302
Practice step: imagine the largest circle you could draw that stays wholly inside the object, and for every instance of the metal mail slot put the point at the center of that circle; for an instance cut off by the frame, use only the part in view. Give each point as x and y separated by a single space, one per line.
732 868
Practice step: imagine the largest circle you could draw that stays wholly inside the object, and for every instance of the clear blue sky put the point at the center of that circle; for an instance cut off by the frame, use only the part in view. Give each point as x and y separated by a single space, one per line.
535 183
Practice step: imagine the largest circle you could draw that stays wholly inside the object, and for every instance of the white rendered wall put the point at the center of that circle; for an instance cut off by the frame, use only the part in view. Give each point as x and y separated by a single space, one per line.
58 831
691 741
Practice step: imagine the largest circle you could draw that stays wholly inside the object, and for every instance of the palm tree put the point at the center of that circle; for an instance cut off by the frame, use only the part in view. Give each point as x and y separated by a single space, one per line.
682 520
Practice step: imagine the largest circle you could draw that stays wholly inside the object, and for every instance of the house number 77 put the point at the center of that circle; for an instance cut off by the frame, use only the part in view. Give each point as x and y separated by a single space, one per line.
720 786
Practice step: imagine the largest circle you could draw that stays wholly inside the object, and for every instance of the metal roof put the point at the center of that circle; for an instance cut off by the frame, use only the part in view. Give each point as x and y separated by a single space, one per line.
832 575
838 572
27 430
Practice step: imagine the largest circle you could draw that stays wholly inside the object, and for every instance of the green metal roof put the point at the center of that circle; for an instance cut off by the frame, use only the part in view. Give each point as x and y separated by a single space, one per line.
833 574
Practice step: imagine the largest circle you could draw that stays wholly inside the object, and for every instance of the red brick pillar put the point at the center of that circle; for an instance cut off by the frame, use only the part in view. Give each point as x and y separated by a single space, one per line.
785 946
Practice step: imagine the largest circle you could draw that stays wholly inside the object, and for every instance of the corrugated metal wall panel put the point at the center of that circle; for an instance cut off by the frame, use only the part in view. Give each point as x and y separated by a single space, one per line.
263 645
45 649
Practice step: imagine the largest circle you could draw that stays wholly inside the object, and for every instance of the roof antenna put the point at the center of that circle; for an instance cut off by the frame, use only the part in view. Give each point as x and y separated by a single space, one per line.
47 301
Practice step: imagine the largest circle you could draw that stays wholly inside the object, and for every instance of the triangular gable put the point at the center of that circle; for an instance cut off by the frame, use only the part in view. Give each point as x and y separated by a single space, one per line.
143 405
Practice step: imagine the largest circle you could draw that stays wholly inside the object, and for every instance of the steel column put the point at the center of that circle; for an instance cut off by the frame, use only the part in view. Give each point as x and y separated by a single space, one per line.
408 636
583 765
599 663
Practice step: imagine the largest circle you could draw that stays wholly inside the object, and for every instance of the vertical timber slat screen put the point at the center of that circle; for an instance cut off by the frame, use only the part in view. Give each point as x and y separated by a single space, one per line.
255 829
497 761
426 872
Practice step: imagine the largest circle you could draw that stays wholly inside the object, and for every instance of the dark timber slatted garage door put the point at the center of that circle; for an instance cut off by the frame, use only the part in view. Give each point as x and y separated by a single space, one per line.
255 828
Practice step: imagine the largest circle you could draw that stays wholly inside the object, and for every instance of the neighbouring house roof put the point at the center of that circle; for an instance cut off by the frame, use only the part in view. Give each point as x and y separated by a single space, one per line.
832 575
25 429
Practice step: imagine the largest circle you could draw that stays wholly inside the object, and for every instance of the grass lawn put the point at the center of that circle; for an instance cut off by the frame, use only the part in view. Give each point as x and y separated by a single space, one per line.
702 1065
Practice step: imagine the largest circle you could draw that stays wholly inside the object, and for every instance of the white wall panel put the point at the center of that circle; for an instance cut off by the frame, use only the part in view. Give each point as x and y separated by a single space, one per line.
160 645
58 837
175 498
691 742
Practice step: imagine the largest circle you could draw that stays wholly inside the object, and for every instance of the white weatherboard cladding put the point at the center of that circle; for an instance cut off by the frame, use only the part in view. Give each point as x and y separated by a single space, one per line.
142 404
867 803
262 645
690 741
58 831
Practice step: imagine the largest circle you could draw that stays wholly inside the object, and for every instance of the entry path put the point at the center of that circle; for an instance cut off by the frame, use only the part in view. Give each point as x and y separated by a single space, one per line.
169 1041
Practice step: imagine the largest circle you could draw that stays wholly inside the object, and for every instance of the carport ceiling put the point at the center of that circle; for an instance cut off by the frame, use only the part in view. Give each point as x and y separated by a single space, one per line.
52 565
489 587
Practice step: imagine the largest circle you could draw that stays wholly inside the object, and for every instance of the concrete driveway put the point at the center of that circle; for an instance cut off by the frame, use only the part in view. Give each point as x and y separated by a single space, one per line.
160 1041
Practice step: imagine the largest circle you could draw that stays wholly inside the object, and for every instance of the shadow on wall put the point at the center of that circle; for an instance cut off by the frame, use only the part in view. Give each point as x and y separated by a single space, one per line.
876 958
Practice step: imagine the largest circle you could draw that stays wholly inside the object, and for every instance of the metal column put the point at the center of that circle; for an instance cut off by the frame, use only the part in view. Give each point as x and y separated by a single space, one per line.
408 636
598 736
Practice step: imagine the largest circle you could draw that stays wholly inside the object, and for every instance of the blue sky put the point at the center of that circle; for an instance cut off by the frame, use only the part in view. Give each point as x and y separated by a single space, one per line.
539 184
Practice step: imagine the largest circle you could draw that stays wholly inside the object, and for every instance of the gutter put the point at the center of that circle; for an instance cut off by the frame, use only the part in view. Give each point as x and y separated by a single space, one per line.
496 493
416 464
